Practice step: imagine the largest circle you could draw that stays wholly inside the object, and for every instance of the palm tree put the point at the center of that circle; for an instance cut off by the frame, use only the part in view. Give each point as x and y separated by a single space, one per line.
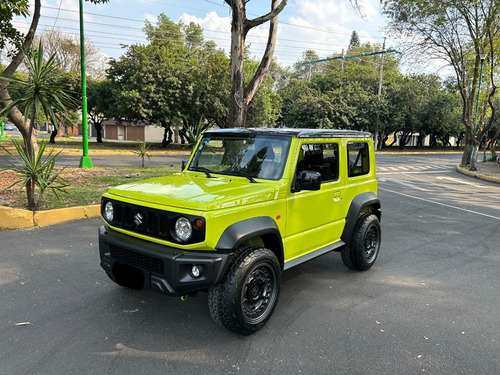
34 97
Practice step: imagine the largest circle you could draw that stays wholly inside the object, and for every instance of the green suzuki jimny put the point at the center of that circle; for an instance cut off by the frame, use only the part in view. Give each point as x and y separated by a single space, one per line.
248 205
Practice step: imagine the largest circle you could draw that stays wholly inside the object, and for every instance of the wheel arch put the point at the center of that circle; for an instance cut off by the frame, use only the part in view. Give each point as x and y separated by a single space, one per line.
365 202
263 227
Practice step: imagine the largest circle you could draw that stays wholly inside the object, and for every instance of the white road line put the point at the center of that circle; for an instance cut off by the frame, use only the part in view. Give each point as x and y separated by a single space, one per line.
422 172
441 204
407 184
456 180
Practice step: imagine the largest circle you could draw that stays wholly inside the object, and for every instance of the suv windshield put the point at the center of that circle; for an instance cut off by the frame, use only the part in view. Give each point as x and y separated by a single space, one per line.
247 155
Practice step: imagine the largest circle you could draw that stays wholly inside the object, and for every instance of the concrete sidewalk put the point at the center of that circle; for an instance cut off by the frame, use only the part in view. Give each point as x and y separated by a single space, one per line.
489 171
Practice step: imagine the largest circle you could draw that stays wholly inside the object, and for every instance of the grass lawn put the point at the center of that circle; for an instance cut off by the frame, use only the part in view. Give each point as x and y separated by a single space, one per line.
86 185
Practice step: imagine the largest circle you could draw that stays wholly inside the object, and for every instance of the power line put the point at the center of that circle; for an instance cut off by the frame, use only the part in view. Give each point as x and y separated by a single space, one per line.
142 21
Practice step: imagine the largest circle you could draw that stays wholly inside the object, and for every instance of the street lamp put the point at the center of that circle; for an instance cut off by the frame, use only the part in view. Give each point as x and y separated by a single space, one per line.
482 56
85 161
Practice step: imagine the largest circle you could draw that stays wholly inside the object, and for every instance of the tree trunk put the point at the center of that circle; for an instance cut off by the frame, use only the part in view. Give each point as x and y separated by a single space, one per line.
15 116
241 96
98 130
237 105
53 135
473 159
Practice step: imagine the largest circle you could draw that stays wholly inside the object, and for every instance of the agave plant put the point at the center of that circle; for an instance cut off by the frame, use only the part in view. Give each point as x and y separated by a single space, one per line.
35 172
34 97
141 150
194 136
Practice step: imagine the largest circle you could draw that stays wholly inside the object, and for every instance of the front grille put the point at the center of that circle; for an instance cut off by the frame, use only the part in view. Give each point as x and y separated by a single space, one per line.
141 261
151 222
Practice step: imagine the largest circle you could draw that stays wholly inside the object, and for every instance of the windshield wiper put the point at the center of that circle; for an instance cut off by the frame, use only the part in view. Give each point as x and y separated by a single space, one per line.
243 174
202 169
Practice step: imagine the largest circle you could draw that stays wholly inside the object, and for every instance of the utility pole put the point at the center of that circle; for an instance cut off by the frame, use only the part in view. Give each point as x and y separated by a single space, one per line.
380 87
342 61
85 161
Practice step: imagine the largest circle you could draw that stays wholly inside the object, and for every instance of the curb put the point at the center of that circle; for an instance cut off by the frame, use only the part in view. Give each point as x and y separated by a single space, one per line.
13 218
479 175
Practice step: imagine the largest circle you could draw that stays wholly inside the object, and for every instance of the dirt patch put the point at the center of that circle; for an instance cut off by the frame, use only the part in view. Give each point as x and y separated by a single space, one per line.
75 176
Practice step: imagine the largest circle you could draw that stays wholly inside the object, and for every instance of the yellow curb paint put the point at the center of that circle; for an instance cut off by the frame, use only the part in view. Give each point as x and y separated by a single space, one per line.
12 218
44 218
92 211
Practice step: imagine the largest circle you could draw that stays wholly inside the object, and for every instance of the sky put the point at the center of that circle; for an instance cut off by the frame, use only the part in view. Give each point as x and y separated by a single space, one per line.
322 25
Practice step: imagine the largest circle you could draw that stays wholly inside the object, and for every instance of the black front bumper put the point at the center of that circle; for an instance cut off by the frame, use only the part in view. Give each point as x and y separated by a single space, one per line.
164 269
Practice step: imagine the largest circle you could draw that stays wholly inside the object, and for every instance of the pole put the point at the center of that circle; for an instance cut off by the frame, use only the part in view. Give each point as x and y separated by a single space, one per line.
85 161
342 61
381 70
483 57
2 136
380 88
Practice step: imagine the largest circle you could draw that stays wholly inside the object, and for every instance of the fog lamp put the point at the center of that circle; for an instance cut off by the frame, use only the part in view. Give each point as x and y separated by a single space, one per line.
196 271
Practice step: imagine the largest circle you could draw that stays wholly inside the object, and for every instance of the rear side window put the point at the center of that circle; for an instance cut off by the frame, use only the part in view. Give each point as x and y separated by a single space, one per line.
358 157
322 158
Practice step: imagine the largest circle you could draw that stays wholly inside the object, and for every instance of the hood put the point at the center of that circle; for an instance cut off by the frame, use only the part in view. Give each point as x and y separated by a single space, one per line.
198 192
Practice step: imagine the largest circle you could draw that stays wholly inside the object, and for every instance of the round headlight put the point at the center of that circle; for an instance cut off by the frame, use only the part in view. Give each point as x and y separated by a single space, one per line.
109 211
183 229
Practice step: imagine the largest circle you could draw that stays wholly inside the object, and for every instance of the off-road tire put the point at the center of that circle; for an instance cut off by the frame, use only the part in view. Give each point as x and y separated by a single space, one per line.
363 250
245 299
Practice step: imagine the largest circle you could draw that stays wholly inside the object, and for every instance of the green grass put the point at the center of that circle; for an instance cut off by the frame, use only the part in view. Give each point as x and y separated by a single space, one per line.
86 190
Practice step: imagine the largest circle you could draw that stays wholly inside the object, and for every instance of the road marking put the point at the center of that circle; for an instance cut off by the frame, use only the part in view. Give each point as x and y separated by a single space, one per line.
442 204
407 184
418 168
456 180
422 172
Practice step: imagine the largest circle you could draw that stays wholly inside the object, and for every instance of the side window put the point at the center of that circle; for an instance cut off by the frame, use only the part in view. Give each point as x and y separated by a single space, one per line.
358 157
320 157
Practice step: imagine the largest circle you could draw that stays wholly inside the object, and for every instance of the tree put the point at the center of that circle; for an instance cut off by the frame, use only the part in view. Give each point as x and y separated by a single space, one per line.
458 32
101 100
242 93
66 49
354 41
8 33
36 96
305 69
21 43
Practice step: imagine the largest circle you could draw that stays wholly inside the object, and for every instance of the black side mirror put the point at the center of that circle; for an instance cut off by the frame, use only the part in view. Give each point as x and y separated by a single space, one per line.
183 165
308 180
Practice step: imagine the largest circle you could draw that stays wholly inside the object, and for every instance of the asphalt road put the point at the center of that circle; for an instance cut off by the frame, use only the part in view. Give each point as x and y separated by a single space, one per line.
115 160
428 305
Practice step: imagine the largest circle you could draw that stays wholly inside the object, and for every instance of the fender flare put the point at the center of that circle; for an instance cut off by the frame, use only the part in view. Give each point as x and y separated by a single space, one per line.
358 203
237 233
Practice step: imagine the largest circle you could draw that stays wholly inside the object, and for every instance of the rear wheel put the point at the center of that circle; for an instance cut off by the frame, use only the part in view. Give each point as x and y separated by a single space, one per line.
363 250
245 299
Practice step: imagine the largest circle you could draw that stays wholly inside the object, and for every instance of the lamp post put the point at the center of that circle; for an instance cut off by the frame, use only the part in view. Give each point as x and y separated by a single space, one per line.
2 136
85 161
482 56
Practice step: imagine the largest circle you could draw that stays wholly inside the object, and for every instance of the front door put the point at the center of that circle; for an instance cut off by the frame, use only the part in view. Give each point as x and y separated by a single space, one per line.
315 219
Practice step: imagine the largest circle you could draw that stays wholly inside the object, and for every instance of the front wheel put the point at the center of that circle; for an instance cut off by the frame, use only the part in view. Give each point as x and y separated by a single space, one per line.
245 299
363 250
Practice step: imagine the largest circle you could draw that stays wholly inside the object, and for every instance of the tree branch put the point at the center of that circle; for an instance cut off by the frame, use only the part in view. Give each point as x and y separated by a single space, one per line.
249 24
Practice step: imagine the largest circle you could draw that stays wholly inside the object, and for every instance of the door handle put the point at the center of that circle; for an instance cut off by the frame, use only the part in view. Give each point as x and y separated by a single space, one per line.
336 196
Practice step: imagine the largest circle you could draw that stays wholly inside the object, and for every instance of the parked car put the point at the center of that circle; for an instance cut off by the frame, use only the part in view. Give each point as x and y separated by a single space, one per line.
8 126
248 205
